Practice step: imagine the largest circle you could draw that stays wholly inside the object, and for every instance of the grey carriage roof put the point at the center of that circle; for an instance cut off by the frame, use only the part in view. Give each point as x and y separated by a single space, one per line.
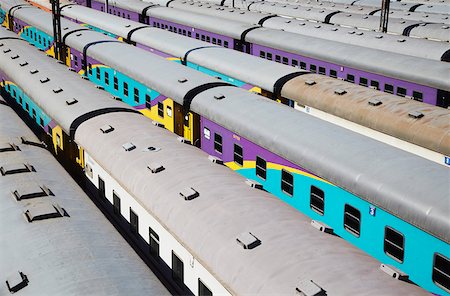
208 225
44 92
391 117
433 73
421 16
393 43
78 255
406 185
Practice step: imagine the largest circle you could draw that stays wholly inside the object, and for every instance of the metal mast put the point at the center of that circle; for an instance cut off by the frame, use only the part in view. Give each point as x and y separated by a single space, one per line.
384 15
57 38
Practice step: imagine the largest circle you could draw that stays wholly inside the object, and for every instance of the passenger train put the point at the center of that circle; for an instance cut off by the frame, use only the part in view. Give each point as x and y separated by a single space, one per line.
205 228
394 74
53 239
282 84
259 144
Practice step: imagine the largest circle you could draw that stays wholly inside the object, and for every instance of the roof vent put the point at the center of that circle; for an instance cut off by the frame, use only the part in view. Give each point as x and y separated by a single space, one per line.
287 22
189 193
44 80
214 159
317 26
23 64
57 90
219 97
321 226
32 143
183 140
334 29
6 50
253 184
309 288
106 129
128 146
71 101
302 24
127 26
394 272
151 149
375 102
445 27
1 44
155 168
44 210
310 82
378 36
10 169
158 124
31 190
365 17
248 241
351 32
415 114
401 40
78 35
359 33
16 282
340 91
182 80
6 147
34 71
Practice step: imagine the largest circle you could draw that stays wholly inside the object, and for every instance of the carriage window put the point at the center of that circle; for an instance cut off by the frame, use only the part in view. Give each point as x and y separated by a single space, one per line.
197 36
294 63
238 155
363 81
277 58
225 43
313 68
214 40
261 167
389 88
125 89
134 222
333 73
148 101
177 269
351 78
136 95
153 242
262 54
303 65
394 244
106 78
401 91
322 70
203 38
285 61
375 84
441 271
418 96
203 289
317 200
116 83
269 56
160 109
218 143
116 204
352 220
98 74
189 34
287 182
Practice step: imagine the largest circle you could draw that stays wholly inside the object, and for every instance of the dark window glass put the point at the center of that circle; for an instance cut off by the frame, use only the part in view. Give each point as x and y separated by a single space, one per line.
203 289
116 204
153 242
352 220
197 36
101 188
394 244
116 83
189 34
134 222
277 58
363 81
262 54
285 61
313 68
238 155
107 78
125 89
136 95
389 88
418 96
303 65
351 78
218 143
261 167
41 121
98 73
295 63
160 109
225 43
375 84
401 91
148 101
333 73
27 107
322 70
269 56
317 202
441 271
287 182
177 269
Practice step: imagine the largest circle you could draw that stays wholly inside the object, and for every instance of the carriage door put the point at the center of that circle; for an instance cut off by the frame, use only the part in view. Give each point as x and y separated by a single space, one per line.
191 128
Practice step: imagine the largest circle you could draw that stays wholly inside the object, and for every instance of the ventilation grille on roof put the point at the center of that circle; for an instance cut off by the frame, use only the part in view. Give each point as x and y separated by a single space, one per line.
128 146
71 101
155 168
309 288
8 147
375 102
31 190
106 129
32 143
189 193
44 210
415 114
248 241
16 282
9 169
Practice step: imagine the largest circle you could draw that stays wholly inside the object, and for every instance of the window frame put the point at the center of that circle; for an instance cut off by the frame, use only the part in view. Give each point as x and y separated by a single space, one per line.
261 169
134 222
178 278
445 258
238 158
217 144
153 242
315 196
116 204
396 232
283 181
347 226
